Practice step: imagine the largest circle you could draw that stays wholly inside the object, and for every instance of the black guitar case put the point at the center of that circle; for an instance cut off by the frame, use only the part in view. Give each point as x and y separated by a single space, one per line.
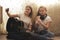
14 25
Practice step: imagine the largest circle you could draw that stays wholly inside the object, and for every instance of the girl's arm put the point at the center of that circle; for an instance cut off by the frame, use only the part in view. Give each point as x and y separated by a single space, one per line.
10 15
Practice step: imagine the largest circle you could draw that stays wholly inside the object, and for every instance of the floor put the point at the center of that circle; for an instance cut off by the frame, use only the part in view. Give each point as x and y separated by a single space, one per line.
56 38
3 37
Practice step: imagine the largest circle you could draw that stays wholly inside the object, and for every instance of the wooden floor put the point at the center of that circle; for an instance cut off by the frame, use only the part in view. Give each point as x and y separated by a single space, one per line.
56 38
3 37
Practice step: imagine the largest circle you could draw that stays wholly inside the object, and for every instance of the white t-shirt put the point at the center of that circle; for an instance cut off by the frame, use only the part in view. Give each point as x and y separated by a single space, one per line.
47 19
25 19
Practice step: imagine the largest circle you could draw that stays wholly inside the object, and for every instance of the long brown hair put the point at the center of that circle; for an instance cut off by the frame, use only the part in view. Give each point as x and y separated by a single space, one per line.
41 7
30 15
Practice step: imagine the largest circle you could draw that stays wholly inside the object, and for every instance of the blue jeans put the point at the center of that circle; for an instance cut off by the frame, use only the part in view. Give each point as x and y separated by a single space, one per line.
44 34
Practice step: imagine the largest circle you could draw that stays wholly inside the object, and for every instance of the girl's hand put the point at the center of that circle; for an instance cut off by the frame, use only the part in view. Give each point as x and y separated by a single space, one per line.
7 10
38 20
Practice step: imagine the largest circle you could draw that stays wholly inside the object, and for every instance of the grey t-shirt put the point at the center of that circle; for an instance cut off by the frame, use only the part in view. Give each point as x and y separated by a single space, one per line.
47 19
25 19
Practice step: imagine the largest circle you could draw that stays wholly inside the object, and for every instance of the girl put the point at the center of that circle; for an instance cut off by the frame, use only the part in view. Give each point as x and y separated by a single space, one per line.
26 17
43 22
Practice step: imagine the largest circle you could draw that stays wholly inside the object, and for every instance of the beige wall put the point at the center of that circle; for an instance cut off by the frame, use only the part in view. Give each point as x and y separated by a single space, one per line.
54 12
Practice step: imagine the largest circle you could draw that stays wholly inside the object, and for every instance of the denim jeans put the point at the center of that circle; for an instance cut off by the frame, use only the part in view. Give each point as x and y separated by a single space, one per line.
29 36
44 34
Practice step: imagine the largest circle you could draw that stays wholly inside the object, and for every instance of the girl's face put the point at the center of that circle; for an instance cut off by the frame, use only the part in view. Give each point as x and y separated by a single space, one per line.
42 11
27 10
